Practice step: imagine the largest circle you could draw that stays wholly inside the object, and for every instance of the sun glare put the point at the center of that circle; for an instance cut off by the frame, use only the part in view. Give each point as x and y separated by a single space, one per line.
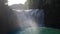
11 2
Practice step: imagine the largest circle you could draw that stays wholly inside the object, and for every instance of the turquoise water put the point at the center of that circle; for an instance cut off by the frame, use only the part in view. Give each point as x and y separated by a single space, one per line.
41 30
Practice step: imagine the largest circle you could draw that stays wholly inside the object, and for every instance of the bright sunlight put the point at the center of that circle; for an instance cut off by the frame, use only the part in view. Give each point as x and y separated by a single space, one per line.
11 2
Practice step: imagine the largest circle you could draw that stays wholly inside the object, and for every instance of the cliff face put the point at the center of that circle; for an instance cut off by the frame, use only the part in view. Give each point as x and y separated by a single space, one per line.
6 18
51 7
52 14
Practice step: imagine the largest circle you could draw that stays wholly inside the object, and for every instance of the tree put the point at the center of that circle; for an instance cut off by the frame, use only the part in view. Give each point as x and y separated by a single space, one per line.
36 4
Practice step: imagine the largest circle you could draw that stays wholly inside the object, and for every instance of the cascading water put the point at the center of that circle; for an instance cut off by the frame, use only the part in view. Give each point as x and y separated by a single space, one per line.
30 18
